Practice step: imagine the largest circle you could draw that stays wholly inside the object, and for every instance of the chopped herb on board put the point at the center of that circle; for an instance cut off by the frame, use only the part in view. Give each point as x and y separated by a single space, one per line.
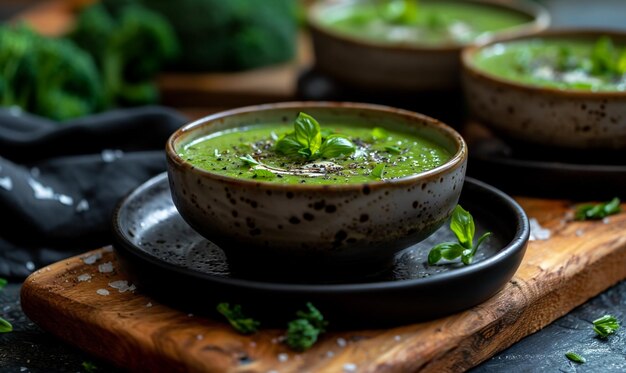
237 319
575 357
605 325
597 211
303 332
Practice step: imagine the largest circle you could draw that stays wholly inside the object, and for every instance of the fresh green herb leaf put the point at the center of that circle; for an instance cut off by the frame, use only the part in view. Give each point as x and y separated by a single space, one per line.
263 173
446 250
308 133
379 133
603 56
393 149
89 367
400 11
248 160
3 283
303 332
379 171
462 224
288 144
237 319
598 211
307 141
605 325
575 357
621 63
5 326
335 146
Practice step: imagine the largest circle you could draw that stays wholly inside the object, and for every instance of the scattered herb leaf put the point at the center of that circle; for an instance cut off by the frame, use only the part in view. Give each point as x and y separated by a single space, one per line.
597 211
400 11
379 133
237 319
605 325
307 141
462 224
379 171
263 173
89 367
393 149
248 160
5 326
3 283
303 332
603 59
575 357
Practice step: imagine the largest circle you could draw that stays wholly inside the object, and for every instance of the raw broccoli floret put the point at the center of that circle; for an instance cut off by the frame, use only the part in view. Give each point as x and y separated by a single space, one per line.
46 76
131 44
232 34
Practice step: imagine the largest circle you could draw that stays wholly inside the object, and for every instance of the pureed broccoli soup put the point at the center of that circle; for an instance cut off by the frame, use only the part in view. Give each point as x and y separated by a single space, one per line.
587 64
307 153
418 22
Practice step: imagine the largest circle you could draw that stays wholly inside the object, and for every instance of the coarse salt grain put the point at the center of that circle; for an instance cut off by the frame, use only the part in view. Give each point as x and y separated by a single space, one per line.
341 342
330 354
105 267
199 337
84 277
537 232
149 304
120 285
102 292
579 232
397 338
349 367
606 220
91 259
282 357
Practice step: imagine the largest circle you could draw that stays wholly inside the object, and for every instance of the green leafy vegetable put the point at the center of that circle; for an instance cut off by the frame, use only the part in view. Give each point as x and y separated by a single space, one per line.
5 326
3 283
393 149
306 141
303 332
237 319
603 57
248 160
379 133
89 367
379 171
597 211
400 11
605 325
462 224
575 357
47 76
262 173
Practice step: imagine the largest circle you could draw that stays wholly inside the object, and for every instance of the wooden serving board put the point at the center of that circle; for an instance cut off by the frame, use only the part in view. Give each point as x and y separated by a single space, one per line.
580 260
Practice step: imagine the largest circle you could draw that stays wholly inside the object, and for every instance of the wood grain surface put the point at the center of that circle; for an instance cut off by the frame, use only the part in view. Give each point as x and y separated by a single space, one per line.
580 260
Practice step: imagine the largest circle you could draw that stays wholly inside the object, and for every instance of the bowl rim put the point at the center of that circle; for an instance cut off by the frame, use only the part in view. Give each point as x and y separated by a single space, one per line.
471 69
540 21
458 159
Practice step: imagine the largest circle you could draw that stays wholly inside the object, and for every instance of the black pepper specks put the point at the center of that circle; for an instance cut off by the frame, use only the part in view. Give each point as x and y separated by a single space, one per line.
294 220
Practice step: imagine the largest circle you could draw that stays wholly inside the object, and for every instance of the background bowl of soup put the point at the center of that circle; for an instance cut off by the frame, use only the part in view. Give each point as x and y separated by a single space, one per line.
564 88
410 45
332 212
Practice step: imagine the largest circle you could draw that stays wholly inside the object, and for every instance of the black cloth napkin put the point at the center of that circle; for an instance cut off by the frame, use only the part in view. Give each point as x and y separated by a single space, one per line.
59 182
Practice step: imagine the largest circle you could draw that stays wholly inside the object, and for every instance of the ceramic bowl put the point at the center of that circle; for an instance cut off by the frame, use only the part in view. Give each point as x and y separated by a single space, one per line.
330 225
378 65
573 119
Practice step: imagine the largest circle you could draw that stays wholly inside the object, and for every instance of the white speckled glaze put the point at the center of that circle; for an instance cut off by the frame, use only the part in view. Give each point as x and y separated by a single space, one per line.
378 65
334 224
547 116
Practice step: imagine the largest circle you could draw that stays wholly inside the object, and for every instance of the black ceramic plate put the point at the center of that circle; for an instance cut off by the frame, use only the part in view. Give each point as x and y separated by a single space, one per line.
525 169
167 259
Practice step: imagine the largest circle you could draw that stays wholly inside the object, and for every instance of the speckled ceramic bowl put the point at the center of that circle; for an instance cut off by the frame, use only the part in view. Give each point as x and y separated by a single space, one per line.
572 119
330 225
380 65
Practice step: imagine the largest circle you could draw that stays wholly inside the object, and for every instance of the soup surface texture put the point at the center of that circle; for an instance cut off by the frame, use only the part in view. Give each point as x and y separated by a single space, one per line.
250 153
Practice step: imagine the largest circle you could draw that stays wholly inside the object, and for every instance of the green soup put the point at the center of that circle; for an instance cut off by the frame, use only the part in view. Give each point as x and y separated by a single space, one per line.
401 154
430 23
593 65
